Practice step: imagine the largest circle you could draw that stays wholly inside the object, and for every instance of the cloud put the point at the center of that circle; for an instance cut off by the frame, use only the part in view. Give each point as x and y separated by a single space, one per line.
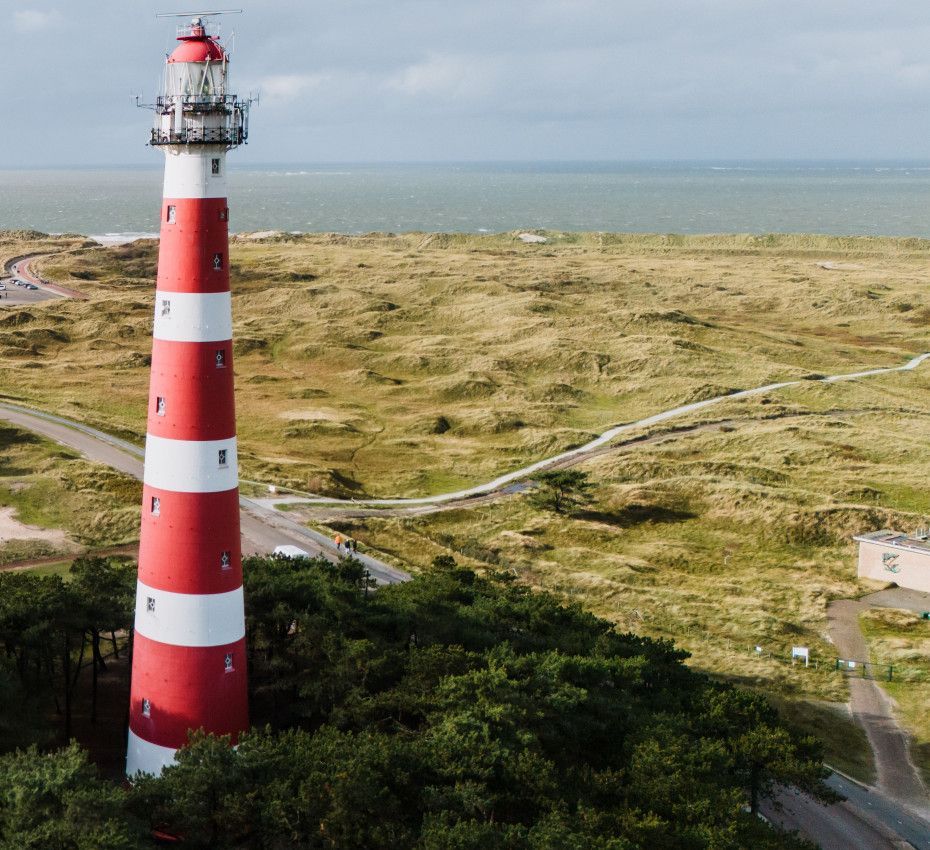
32 20
459 77
281 87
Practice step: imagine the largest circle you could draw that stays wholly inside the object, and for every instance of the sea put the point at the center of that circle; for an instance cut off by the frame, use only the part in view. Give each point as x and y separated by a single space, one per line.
838 198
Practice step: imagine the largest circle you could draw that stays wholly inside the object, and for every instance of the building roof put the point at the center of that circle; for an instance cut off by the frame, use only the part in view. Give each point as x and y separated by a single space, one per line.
197 49
897 540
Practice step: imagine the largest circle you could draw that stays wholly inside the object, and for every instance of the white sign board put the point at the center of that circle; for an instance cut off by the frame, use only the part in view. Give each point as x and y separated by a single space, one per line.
801 652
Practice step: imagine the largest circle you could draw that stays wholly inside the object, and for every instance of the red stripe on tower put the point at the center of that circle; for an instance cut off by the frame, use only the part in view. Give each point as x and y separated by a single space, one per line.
188 666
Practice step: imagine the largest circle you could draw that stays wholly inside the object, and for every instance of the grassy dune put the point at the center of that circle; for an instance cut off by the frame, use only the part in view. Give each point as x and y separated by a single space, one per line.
406 365
53 487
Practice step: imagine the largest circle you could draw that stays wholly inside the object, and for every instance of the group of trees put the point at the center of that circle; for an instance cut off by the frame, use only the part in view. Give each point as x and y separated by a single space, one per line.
451 711
52 631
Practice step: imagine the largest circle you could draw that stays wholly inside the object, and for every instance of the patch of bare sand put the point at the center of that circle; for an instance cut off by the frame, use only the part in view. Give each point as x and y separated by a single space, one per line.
12 529
841 267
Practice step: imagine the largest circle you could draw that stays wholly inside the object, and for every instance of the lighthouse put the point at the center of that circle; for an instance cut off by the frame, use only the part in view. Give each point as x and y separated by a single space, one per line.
188 663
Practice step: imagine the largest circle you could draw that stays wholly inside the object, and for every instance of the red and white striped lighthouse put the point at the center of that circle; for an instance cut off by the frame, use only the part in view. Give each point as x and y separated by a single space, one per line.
188 666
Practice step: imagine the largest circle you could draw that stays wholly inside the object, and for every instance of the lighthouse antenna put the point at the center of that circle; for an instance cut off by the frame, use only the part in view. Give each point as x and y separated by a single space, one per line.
210 14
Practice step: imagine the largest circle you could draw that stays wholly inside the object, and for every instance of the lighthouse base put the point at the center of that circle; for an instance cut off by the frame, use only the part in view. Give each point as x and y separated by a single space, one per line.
145 757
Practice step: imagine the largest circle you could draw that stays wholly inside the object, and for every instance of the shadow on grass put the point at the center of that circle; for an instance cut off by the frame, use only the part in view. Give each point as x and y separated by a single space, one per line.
11 438
636 514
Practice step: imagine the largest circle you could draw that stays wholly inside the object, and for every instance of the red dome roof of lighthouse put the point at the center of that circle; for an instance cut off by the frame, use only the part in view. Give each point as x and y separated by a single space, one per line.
197 50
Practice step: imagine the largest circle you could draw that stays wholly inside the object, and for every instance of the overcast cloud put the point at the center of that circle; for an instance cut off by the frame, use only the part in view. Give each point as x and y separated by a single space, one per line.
369 80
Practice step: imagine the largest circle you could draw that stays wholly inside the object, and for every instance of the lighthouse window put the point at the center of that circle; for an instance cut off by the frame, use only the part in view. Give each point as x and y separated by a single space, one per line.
156 506
217 262
215 166
222 457
226 560
165 307
146 708
150 604
224 214
160 406
220 358
228 662
172 214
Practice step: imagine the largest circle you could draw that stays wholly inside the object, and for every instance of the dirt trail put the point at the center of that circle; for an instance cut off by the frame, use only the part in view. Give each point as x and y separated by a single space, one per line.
873 709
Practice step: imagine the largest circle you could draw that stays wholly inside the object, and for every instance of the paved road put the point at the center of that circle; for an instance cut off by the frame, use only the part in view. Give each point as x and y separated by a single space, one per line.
262 528
582 452
897 777
867 820
21 268
13 296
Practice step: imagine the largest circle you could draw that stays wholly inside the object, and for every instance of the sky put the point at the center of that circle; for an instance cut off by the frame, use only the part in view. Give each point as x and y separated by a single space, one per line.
435 80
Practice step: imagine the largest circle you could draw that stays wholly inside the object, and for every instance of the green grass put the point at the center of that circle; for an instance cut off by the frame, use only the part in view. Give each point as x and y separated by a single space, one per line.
50 487
350 348
845 743
59 568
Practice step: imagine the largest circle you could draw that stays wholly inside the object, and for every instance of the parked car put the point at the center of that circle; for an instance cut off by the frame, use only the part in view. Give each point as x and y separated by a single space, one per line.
290 552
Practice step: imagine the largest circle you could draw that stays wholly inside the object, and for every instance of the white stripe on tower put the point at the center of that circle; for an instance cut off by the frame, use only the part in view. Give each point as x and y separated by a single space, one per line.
187 619
191 466
189 174
193 316
145 757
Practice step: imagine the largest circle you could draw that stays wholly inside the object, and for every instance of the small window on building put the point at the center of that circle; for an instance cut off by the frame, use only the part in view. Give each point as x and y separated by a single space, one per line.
165 307
226 560
150 604
172 213
220 358
228 662
217 262
156 506
146 708
221 457
215 166
160 406
224 214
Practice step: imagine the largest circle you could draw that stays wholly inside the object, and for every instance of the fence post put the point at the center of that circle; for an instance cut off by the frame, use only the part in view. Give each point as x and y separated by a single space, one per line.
890 671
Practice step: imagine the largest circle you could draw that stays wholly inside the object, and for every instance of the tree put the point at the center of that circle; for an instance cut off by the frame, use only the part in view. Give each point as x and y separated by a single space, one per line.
106 589
766 755
563 491
56 802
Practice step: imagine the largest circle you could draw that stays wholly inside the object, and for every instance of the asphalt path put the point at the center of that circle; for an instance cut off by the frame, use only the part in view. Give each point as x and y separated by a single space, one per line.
866 820
897 776
262 528
20 268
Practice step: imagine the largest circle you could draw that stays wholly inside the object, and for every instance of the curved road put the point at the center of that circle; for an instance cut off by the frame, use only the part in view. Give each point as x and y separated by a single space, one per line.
262 528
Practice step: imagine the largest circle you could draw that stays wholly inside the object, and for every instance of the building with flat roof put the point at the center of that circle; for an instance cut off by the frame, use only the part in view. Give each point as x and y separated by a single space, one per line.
894 556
